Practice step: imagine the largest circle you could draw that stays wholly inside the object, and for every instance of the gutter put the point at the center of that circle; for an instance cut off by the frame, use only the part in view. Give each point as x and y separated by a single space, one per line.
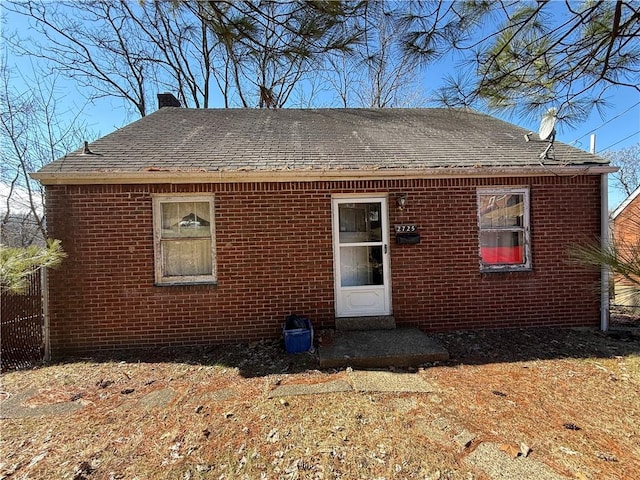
153 175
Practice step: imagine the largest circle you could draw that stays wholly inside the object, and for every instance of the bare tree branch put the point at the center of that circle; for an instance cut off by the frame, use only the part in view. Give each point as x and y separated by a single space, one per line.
31 135
628 162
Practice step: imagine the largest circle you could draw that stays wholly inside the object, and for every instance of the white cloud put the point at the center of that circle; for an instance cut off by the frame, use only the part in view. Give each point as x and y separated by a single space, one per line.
19 201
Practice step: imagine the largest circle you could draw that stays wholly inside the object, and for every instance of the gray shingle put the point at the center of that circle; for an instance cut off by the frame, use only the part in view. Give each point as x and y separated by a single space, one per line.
210 140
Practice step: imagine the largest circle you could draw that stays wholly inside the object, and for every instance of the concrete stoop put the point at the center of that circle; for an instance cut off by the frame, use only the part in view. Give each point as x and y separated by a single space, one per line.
402 347
379 322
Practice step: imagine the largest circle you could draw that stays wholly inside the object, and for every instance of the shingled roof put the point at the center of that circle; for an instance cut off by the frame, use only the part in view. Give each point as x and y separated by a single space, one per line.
184 144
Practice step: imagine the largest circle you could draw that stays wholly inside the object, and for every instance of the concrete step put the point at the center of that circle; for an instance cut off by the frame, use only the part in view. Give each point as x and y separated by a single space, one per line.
402 347
379 322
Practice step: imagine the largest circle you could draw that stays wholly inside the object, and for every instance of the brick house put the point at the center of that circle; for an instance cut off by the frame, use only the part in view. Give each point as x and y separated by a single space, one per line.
626 234
199 226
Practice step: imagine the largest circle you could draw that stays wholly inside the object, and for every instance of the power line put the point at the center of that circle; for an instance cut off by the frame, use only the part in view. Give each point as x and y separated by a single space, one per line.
620 141
608 121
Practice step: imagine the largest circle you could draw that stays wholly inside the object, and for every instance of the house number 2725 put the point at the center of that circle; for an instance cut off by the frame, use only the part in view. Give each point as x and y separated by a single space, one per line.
406 228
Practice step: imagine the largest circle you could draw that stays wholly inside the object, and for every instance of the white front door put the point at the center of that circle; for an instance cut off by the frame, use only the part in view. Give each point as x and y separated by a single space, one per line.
361 256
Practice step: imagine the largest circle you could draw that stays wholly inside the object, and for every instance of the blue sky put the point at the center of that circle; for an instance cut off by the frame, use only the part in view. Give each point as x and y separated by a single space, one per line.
620 127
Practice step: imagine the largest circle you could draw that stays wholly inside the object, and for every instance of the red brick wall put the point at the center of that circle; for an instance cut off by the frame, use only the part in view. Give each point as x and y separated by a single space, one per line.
274 257
626 233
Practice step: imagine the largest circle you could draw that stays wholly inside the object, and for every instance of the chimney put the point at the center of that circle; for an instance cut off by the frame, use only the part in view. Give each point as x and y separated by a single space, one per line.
167 100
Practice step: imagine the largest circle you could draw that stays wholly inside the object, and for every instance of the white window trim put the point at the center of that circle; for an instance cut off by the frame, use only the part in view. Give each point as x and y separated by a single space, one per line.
524 191
160 279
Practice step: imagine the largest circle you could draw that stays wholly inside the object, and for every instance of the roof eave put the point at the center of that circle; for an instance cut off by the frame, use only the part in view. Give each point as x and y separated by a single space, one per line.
625 203
244 176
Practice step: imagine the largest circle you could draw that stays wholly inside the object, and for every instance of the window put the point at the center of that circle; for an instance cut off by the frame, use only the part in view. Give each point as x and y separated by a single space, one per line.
184 239
503 222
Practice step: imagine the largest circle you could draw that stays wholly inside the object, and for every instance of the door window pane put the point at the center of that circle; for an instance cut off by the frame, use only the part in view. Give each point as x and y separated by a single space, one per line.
361 266
360 222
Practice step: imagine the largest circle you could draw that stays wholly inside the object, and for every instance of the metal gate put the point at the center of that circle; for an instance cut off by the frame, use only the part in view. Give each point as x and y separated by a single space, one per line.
22 321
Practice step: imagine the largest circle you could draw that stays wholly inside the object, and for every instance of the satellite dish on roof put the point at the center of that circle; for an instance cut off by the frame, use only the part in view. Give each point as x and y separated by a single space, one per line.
547 125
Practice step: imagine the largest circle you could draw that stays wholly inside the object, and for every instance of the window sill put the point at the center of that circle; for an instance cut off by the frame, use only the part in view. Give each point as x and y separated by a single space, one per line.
492 270
212 283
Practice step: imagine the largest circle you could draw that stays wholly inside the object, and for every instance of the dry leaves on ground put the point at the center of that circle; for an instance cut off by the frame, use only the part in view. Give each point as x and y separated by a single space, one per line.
568 399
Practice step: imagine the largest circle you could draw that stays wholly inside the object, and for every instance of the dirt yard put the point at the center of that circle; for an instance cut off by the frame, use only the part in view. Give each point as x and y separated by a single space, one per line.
563 404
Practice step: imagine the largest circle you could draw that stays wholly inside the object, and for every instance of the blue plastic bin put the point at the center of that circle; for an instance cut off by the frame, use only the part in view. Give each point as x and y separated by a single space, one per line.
298 334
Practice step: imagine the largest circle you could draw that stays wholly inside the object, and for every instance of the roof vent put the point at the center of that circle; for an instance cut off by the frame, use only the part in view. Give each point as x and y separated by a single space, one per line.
167 100
86 150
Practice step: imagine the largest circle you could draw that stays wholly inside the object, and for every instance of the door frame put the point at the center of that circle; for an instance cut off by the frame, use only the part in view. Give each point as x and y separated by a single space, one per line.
383 199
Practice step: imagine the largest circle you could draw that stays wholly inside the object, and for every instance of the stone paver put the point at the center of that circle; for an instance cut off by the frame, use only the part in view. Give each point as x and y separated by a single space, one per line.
334 386
498 465
464 439
378 381
215 396
157 398
362 381
201 399
14 407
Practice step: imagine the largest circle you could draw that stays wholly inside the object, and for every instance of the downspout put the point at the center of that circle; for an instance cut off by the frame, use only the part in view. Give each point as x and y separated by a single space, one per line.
604 239
45 314
605 235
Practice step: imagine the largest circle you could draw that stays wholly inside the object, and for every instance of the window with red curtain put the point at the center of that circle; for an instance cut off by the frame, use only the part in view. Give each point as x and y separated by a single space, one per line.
503 222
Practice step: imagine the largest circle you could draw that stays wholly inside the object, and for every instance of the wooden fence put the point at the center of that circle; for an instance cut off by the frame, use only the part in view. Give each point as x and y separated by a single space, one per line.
21 326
